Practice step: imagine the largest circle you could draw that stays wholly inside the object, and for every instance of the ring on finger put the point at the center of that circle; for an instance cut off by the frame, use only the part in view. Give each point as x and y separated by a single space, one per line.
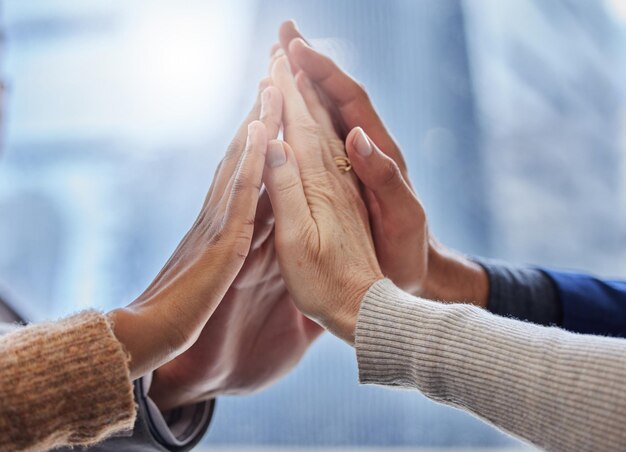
343 163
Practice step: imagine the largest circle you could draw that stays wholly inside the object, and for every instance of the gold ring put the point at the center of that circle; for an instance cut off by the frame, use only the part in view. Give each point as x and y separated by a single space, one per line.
343 163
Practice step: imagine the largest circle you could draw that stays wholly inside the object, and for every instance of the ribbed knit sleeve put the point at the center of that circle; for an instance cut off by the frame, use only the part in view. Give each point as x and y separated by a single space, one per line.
557 390
63 383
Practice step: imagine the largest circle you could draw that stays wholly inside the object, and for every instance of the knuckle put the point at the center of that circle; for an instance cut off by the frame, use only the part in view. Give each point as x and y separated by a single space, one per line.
234 237
217 237
336 143
287 187
303 123
243 184
241 246
390 176
234 149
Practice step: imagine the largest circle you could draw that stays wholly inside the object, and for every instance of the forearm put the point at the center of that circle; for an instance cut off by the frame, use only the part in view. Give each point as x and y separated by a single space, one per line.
523 293
555 389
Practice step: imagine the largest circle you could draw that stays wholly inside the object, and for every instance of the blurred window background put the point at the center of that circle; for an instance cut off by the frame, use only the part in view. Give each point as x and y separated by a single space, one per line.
510 114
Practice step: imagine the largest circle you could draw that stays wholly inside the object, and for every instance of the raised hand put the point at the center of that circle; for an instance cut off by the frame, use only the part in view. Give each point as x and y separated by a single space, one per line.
408 252
256 335
168 317
323 239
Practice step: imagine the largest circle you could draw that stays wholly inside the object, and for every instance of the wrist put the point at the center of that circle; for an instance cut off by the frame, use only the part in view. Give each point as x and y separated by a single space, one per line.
342 322
124 328
453 277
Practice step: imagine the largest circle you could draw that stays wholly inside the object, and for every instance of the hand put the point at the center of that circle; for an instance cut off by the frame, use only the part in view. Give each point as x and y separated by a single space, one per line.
256 334
323 240
169 316
407 251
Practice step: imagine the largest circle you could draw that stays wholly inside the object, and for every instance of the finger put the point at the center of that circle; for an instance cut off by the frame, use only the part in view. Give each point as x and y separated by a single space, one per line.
274 48
284 185
244 193
228 166
378 172
263 220
352 101
287 32
276 55
314 104
270 116
271 110
300 129
335 145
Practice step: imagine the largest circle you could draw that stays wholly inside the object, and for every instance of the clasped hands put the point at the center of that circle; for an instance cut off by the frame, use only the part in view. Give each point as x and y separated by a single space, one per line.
262 273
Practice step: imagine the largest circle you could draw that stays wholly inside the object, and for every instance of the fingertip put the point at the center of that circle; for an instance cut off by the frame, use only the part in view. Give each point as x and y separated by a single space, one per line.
359 143
255 125
280 67
274 48
276 154
298 49
298 43
270 94
288 30
264 83
303 82
256 132
293 24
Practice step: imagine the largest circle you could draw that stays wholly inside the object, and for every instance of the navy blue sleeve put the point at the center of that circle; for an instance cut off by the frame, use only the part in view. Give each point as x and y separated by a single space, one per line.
523 293
591 305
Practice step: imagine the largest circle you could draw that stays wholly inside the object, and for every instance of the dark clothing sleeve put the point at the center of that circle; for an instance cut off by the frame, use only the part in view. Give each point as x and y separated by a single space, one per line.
523 293
574 301
591 305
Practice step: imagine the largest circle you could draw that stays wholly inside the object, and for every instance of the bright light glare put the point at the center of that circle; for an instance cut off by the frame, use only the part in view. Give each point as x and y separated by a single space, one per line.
183 67
618 7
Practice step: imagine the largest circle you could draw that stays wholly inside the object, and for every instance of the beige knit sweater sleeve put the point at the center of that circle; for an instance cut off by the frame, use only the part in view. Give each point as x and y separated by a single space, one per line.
555 389
63 383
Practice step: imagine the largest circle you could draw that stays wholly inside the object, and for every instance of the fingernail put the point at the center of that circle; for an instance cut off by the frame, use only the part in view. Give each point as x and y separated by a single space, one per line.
362 143
276 154
302 41
279 52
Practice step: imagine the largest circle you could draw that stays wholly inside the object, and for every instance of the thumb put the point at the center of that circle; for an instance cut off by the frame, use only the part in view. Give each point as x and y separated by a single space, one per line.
377 171
284 186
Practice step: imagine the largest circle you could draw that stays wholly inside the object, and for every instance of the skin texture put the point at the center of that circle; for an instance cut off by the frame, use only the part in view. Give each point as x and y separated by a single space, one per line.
407 251
256 334
323 240
175 307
